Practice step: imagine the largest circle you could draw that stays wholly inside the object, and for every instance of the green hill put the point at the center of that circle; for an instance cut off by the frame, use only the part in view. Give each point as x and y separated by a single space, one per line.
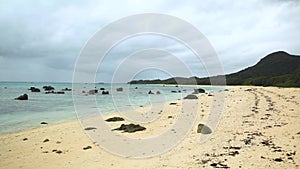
275 69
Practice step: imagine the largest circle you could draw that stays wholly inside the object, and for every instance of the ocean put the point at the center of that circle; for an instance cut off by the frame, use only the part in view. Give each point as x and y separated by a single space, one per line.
17 115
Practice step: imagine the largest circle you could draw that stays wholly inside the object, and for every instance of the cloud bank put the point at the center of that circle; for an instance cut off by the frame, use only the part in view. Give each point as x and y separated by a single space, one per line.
40 40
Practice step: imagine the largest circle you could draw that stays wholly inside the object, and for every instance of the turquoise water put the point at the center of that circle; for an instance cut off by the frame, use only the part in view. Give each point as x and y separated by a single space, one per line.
16 115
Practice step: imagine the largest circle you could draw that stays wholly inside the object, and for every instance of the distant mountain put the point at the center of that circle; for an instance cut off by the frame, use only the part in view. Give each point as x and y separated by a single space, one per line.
276 69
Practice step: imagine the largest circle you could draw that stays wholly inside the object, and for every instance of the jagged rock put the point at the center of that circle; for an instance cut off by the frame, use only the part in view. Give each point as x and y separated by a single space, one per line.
47 88
190 96
120 89
130 128
113 119
203 129
34 89
22 97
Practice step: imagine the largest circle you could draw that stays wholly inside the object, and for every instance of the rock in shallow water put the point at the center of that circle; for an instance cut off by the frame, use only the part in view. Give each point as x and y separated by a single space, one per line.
22 97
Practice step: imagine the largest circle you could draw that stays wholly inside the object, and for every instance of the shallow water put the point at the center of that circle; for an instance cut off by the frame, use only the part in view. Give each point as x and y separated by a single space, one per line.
16 115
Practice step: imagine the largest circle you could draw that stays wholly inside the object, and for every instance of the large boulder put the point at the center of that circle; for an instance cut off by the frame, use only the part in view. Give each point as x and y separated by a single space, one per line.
22 97
190 96
131 128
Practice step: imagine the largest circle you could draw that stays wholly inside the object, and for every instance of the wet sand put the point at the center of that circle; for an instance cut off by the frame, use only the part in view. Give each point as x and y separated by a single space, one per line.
259 128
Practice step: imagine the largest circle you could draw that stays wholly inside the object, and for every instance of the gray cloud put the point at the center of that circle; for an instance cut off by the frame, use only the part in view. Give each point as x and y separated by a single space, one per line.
45 37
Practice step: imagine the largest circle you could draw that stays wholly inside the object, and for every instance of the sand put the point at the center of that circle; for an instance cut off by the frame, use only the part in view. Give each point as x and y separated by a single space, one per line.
259 128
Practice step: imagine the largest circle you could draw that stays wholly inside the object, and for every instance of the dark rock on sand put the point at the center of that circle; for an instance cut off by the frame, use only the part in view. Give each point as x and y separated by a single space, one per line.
90 128
120 89
173 103
47 88
43 122
34 89
22 97
203 129
130 128
191 96
113 119
46 140
278 159
87 147
25 139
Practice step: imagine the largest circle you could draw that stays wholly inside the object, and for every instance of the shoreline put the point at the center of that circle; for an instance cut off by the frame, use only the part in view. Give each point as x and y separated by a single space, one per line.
259 128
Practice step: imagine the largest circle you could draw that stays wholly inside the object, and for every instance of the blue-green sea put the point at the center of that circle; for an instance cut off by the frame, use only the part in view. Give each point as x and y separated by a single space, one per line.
17 115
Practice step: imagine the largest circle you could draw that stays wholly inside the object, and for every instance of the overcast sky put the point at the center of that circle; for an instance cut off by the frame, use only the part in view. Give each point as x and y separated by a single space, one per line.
41 40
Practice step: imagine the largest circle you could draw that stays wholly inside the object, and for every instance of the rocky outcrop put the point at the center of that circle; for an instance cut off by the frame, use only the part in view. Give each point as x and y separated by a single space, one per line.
22 97
130 128
34 89
48 88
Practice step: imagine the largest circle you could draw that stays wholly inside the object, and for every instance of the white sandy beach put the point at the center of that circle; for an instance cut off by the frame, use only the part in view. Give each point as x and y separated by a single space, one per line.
259 128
